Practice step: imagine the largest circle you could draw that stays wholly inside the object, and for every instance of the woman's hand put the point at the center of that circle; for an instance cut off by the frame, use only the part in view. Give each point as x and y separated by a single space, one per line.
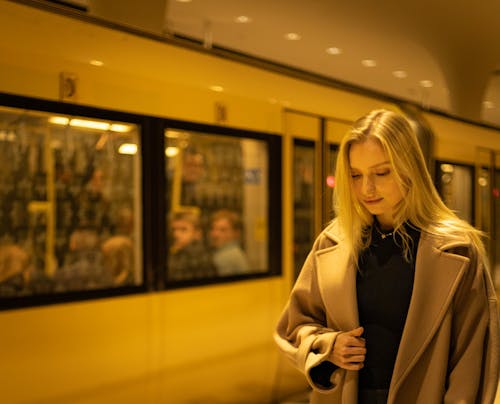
349 350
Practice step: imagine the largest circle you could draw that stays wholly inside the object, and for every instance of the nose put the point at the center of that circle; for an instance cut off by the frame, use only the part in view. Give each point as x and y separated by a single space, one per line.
368 185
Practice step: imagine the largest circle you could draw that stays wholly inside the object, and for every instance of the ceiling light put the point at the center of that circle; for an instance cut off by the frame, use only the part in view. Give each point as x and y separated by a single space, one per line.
426 83
88 124
171 151
116 127
243 19
218 89
183 1
333 51
488 104
127 148
292 36
400 74
97 63
172 134
369 63
447 168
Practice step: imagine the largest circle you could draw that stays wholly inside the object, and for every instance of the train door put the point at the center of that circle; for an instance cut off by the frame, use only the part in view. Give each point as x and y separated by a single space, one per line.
487 212
303 162
313 144
455 184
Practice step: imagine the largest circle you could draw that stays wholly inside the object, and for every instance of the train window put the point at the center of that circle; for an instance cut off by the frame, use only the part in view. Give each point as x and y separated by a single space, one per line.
218 205
303 200
455 184
70 213
331 161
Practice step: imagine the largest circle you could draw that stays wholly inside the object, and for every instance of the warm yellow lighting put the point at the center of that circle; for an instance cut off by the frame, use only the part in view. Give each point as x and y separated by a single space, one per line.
127 148
172 134
426 83
84 123
488 104
218 89
97 63
118 127
446 168
369 63
293 36
171 151
243 19
59 120
400 74
333 50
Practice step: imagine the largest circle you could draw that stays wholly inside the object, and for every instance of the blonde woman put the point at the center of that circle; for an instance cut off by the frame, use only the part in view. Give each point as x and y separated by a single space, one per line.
394 303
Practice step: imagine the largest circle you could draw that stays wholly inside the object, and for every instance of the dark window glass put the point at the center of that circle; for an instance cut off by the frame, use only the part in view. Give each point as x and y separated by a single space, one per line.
217 200
70 204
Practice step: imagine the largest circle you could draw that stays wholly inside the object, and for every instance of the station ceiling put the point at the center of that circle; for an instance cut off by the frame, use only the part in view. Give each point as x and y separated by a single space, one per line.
439 54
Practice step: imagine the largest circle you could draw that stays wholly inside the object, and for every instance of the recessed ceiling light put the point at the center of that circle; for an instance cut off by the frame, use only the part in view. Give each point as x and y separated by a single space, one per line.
183 1
400 74
333 50
292 36
218 89
488 104
369 63
96 63
426 83
243 19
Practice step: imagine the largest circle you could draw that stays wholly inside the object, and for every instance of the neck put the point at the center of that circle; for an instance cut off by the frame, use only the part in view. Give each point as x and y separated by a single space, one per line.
383 223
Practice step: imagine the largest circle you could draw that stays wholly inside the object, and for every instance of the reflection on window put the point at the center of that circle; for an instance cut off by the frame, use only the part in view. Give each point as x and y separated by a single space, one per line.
303 173
330 182
455 185
69 213
218 204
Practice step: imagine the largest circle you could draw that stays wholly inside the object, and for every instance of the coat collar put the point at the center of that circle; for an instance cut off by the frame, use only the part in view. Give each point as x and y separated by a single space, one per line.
437 274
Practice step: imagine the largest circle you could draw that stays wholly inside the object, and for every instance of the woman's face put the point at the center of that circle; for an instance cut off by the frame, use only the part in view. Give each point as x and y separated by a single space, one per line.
373 180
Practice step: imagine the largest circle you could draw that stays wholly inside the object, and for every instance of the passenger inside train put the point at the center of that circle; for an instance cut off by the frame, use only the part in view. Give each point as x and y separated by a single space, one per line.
189 257
225 239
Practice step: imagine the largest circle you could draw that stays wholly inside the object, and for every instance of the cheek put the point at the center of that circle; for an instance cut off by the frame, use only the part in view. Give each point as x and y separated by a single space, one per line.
395 193
356 188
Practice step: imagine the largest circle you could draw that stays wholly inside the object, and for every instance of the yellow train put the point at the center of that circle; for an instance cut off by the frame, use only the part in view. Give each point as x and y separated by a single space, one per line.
100 130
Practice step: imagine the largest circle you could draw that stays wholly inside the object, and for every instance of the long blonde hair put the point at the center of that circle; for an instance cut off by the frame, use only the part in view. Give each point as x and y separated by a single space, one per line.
421 206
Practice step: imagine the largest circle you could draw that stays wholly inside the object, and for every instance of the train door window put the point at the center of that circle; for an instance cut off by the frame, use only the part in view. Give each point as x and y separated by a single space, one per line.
70 204
455 183
329 182
218 204
488 214
303 200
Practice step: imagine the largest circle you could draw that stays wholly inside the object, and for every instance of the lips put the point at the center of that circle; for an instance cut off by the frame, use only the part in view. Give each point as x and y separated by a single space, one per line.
372 201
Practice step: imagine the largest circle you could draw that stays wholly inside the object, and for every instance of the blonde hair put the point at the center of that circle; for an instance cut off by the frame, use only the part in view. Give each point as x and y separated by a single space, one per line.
421 206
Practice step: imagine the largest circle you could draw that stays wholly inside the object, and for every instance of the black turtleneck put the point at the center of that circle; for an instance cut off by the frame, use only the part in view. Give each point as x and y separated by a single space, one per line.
384 286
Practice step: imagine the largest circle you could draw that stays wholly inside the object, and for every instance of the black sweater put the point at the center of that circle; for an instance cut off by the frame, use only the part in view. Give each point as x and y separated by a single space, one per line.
384 286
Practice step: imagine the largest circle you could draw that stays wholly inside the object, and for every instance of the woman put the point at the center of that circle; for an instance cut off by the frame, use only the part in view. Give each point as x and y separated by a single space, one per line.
393 304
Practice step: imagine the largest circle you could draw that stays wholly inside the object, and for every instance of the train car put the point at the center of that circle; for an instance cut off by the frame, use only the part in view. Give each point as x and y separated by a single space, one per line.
113 144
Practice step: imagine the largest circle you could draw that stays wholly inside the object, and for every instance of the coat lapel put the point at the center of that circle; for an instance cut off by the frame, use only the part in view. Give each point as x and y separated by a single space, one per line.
337 280
437 275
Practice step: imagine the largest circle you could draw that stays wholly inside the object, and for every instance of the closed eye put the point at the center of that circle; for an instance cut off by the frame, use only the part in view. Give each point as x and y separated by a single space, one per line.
382 173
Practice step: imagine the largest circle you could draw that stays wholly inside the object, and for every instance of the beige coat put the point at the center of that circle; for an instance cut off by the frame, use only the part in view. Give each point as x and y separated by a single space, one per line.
449 347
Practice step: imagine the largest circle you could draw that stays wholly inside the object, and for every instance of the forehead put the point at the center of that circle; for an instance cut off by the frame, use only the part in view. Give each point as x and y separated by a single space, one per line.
367 154
222 222
182 223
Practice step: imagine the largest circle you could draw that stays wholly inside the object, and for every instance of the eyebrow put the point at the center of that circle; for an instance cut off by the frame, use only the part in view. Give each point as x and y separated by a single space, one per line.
373 166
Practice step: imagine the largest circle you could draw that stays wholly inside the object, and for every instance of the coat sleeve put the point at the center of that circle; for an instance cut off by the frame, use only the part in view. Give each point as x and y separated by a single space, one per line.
302 334
473 364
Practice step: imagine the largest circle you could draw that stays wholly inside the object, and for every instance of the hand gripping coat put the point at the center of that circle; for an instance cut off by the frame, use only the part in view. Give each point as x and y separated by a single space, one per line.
449 348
